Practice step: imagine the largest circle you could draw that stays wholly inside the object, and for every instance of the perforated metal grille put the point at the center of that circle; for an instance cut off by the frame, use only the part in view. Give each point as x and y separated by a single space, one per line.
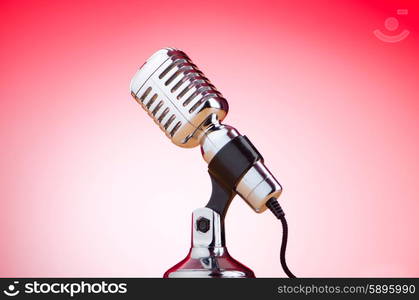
176 94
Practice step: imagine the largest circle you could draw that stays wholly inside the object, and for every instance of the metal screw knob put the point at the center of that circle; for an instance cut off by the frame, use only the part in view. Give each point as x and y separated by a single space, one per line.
203 224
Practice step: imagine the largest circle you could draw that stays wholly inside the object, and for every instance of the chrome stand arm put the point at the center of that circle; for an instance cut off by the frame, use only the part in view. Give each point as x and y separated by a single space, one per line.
208 256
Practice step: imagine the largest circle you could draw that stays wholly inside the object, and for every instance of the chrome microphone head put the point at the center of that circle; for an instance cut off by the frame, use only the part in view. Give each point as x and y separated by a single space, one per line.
177 95
189 109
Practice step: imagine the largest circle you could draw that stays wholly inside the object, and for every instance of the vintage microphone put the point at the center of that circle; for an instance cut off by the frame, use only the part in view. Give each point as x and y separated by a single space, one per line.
189 109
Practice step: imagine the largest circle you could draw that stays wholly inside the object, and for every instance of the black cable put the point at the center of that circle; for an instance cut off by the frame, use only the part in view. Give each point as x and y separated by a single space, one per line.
276 209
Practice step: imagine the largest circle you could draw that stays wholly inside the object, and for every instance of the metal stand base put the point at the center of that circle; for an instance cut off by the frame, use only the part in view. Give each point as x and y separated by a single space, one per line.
208 256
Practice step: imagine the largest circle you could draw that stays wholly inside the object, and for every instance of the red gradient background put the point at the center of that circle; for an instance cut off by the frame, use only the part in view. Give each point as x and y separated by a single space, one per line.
89 186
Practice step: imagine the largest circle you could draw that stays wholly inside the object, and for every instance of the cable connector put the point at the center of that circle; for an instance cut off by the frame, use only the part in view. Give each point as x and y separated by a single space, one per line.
276 209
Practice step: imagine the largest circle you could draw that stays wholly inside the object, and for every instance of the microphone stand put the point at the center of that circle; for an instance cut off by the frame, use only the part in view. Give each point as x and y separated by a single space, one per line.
208 256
